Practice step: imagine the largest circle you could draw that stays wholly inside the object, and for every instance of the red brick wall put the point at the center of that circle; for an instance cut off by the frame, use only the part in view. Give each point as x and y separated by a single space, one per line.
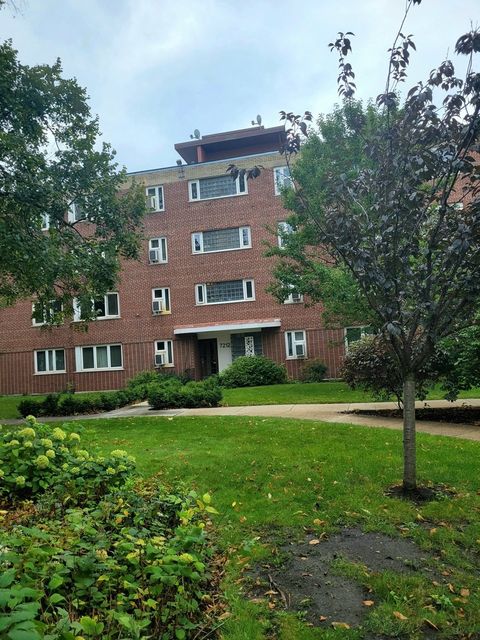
137 329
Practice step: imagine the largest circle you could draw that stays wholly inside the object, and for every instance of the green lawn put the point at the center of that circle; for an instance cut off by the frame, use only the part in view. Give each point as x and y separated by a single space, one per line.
312 393
271 479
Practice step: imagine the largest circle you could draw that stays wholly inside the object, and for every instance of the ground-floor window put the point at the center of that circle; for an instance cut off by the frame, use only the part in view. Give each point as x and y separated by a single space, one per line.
163 353
246 344
353 334
296 344
50 361
99 357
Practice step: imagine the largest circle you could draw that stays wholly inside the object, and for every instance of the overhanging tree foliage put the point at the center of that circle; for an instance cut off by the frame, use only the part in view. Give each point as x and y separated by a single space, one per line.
403 222
51 160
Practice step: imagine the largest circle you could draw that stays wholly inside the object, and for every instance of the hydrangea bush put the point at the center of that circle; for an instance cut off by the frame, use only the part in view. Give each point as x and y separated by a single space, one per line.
37 457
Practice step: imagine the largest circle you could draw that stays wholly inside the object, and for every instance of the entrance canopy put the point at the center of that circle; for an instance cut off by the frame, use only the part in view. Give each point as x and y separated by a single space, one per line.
227 326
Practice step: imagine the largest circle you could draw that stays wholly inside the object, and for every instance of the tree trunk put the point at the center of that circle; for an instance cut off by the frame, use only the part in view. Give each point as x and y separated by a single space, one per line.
409 445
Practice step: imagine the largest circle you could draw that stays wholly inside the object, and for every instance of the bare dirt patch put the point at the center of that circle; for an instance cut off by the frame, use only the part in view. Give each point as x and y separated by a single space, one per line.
308 582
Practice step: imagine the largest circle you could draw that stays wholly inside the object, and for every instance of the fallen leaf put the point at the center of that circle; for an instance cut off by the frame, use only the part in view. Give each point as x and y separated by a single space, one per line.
234 503
270 593
464 593
435 583
451 588
445 573
269 496
318 522
431 624
271 605
340 625
368 603
242 518
314 541
399 615
433 531
322 618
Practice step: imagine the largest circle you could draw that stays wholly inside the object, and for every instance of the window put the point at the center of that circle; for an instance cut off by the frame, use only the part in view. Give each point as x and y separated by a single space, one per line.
163 353
296 344
160 300
50 361
157 250
284 229
103 308
352 334
221 240
282 179
107 356
45 222
293 298
155 199
75 213
218 187
229 291
42 314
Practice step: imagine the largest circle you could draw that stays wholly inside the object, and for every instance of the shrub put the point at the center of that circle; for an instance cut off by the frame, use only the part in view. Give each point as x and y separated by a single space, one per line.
253 371
38 458
313 371
132 566
171 394
138 385
30 407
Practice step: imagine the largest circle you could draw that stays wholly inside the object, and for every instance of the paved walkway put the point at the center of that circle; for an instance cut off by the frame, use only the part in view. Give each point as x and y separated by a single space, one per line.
323 412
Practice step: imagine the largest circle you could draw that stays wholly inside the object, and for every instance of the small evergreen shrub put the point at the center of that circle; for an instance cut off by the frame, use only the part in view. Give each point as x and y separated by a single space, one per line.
138 385
30 407
253 371
172 394
313 371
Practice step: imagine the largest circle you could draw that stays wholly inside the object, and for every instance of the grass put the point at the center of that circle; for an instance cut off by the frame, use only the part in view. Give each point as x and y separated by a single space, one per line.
272 478
312 393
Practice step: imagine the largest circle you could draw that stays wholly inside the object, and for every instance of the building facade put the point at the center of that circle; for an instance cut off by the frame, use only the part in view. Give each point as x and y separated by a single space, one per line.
197 297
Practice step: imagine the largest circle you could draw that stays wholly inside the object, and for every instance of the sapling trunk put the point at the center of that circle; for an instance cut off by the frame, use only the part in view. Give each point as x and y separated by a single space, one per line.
409 444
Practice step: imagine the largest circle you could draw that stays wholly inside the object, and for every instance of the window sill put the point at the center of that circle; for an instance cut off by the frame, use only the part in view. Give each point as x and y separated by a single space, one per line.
205 253
233 195
296 358
159 262
49 373
209 304
103 369
156 211
101 318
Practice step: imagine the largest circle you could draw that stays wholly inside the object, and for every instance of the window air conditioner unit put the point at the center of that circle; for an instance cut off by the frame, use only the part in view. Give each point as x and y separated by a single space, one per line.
159 359
157 307
152 202
296 297
154 256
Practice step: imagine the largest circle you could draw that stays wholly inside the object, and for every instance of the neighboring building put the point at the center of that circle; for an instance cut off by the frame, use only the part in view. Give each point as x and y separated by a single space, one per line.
197 297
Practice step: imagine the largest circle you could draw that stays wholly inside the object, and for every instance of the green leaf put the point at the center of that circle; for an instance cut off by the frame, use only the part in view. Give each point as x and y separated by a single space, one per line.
7 578
55 598
55 582
180 634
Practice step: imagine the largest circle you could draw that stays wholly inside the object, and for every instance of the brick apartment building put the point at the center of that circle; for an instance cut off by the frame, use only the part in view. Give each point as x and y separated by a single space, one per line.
197 297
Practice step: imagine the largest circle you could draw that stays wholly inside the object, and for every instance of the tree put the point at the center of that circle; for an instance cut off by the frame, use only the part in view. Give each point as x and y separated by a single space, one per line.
402 224
51 162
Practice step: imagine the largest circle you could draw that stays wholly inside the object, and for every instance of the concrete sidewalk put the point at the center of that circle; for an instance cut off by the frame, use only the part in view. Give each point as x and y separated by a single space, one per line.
323 412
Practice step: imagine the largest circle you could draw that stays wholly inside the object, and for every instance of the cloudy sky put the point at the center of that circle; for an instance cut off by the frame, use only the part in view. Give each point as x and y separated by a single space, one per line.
156 70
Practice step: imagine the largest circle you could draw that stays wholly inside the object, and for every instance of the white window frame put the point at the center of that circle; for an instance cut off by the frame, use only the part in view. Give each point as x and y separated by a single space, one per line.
79 357
153 200
201 300
363 333
73 212
162 250
167 352
295 343
77 310
54 370
198 235
36 323
285 228
162 298
191 197
45 222
281 179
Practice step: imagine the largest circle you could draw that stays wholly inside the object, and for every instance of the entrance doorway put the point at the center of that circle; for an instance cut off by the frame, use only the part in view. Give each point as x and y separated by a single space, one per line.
208 353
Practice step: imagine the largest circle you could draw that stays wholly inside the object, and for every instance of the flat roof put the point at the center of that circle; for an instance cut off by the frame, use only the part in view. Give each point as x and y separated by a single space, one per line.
226 326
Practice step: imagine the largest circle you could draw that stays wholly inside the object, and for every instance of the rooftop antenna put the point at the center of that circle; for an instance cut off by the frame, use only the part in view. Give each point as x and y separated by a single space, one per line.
258 121
196 135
